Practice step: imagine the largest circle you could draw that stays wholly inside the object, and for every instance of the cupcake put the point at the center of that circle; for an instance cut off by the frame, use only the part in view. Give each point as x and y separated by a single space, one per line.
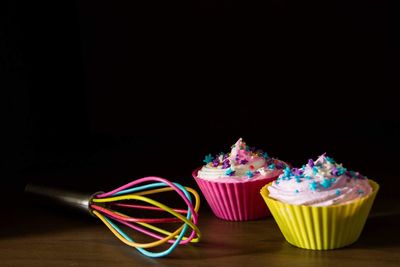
321 205
231 182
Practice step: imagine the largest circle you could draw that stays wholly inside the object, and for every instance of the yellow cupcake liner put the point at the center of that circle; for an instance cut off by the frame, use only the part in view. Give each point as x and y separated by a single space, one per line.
321 228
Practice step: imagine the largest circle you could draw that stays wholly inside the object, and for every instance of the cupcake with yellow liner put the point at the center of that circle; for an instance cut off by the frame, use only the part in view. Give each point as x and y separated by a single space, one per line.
321 205
231 182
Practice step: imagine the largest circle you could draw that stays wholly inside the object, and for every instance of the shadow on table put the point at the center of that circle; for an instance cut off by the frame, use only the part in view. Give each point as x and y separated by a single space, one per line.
226 239
381 230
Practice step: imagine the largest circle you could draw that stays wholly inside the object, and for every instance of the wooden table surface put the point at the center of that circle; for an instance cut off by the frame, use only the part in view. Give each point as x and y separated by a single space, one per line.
32 235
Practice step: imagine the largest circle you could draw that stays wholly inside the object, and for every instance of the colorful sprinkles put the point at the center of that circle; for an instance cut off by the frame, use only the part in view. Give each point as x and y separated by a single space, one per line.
326 175
242 154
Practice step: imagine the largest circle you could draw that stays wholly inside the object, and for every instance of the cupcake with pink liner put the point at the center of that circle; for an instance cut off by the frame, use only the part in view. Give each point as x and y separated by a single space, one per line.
231 182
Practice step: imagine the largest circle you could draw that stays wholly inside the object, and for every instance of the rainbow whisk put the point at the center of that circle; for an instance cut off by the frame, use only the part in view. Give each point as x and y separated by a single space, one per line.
110 208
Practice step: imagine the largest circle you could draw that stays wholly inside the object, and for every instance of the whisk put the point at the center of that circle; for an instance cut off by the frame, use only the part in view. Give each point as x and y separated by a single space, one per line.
102 206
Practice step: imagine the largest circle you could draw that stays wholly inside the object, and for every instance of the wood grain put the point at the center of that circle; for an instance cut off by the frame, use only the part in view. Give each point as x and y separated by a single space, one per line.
32 235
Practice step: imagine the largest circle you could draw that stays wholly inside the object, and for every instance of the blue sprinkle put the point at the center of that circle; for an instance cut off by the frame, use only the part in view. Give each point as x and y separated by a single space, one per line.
271 166
230 172
330 160
360 191
313 185
208 159
325 183
249 174
315 170
287 171
297 191
338 192
341 171
247 148
333 180
265 155
277 182
298 179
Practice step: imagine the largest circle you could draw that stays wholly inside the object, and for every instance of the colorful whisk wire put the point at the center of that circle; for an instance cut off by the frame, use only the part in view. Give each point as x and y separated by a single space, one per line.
102 205
131 191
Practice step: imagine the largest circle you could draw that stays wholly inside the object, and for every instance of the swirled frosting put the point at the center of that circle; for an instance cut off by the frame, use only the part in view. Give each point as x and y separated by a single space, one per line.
320 183
243 163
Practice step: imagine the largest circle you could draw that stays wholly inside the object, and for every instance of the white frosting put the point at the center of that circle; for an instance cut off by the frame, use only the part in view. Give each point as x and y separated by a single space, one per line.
320 185
242 165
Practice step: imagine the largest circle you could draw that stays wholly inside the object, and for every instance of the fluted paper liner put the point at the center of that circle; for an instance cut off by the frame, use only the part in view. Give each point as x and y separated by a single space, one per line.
239 201
321 228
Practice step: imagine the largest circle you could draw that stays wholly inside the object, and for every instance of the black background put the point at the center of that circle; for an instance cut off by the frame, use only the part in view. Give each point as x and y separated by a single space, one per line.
100 92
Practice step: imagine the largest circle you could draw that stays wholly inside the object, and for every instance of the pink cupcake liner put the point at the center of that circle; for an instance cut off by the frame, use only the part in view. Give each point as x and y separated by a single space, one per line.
239 201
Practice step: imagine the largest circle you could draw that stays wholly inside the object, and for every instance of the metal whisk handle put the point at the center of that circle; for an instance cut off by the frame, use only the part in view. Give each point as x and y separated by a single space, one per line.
72 199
